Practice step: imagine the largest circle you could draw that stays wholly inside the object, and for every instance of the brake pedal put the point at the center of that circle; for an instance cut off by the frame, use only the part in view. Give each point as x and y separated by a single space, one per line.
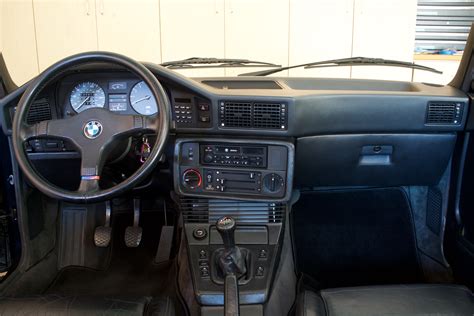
133 234
103 234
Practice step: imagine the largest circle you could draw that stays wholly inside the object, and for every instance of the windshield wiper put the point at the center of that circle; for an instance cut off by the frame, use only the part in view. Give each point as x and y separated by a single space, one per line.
198 62
353 61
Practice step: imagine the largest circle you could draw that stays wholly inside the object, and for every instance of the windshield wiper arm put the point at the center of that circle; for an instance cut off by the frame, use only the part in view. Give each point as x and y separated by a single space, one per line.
353 61
198 62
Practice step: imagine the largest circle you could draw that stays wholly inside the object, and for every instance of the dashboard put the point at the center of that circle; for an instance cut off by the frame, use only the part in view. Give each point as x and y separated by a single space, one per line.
325 132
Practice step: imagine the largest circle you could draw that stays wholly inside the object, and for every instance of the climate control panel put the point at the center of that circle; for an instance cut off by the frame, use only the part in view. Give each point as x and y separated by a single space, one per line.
247 169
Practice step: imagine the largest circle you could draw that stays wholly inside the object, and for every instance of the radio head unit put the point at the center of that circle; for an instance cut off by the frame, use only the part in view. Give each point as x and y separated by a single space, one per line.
246 169
233 155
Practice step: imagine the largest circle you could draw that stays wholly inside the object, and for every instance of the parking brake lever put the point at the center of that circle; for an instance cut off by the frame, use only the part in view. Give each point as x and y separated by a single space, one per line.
232 264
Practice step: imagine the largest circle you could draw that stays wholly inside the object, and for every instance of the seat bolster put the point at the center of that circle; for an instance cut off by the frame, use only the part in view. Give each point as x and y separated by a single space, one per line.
310 304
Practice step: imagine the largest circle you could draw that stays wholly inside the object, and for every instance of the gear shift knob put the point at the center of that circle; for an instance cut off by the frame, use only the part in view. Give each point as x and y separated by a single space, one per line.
226 228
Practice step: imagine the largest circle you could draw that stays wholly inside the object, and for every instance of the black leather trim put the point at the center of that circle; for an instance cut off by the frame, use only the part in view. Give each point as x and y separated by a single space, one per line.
429 299
78 305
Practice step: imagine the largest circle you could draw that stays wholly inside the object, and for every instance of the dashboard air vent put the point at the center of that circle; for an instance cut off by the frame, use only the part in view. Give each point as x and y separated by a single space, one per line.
39 111
253 115
244 212
444 113
237 114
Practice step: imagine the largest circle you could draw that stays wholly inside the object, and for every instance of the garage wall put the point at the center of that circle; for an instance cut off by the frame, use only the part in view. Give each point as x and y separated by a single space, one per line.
36 33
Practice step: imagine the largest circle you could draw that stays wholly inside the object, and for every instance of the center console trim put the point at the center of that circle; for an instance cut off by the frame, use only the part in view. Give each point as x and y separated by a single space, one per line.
289 173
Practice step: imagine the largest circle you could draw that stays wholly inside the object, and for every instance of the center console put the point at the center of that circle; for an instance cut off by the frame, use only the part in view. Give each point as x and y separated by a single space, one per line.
245 181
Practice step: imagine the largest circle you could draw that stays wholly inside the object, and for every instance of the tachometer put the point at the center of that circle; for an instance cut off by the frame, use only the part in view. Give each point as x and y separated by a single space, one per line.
142 100
87 95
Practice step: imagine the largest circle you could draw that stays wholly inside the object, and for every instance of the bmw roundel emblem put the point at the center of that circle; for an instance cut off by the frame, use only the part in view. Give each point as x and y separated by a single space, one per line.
92 129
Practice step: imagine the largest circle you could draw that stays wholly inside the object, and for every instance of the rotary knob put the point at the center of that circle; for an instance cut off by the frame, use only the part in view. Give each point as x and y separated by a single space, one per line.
273 182
192 179
208 158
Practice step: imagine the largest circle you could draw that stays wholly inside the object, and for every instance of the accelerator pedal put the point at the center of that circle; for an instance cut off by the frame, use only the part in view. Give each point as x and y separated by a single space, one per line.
103 234
133 234
166 240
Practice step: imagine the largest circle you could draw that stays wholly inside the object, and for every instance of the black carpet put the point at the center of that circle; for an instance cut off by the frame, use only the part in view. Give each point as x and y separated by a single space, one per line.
131 271
357 237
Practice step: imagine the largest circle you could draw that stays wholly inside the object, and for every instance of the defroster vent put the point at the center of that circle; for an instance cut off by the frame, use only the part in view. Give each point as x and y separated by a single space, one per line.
444 113
39 111
244 212
259 115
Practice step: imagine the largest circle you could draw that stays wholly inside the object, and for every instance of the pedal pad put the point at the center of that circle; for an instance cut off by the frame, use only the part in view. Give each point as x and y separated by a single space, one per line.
133 234
103 234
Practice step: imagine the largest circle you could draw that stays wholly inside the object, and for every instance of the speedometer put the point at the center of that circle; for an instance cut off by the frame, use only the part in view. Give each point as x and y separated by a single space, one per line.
87 95
142 100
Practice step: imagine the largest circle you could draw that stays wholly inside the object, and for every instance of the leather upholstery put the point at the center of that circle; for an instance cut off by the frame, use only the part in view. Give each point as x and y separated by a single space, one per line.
83 305
388 300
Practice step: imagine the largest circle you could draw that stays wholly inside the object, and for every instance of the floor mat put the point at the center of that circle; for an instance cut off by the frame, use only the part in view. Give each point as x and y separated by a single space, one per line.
356 237
131 271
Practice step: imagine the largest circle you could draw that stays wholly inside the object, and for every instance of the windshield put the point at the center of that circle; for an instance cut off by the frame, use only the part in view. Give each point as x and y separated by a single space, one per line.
270 33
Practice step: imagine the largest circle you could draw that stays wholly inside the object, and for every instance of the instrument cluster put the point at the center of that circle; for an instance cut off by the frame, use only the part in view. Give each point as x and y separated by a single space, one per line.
125 95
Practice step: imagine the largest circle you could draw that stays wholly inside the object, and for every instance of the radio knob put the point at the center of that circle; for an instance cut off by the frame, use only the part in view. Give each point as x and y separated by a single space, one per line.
208 158
192 179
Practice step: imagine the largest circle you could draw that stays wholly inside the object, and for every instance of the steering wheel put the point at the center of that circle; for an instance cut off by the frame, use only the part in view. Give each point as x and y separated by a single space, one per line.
93 131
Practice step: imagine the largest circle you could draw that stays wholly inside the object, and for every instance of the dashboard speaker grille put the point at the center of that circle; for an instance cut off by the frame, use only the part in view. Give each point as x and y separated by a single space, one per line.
444 113
253 115
244 212
39 111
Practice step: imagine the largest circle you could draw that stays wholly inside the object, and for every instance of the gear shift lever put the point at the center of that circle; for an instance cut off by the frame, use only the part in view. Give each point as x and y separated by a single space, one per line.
232 264
226 228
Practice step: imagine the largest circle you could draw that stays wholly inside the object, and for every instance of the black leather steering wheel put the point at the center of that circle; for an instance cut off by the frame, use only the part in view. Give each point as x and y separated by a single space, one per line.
93 131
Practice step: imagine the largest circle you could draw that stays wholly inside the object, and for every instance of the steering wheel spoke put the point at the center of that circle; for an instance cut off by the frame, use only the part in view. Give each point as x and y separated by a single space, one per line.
50 128
127 125
91 169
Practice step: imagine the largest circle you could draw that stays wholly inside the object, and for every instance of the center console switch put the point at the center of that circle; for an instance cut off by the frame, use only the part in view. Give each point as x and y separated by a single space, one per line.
244 169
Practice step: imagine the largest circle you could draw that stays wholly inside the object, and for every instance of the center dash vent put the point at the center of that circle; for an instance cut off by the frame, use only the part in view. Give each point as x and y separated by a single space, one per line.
244 212
253 115
444 113
39 111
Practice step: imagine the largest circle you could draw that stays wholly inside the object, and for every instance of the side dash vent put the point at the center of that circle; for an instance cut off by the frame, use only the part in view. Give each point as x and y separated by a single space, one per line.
444 113
244 212
39 111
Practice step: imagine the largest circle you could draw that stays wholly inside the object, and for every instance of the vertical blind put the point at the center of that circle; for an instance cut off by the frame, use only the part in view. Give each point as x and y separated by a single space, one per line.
443 24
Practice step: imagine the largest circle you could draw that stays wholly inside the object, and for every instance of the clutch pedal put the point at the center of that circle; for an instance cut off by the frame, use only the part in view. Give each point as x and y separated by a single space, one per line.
103 234
133 234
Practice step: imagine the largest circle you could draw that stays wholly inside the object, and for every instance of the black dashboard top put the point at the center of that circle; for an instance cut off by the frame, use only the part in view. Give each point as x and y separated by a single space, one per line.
272 106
